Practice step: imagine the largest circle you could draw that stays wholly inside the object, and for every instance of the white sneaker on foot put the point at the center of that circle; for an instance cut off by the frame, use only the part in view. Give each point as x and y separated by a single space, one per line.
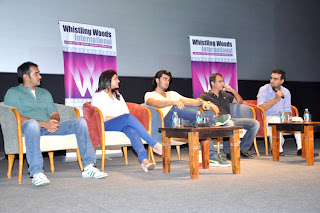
40 179
92 172
158 149
147 167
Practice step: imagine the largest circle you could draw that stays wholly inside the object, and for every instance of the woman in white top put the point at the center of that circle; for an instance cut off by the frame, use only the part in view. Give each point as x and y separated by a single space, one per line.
117 117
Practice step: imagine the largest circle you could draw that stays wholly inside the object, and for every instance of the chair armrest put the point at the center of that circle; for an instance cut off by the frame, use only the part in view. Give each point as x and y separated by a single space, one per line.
211 112
157 122
240 111
95 123
260 116
67 112
142 113
9 126
295 111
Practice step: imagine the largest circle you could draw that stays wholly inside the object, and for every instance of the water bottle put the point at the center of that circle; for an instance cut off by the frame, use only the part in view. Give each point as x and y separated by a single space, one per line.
306 115
200 156
198 118
282 116
175 120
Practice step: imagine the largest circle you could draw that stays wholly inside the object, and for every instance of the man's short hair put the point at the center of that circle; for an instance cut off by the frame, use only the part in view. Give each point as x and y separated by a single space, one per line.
213 77
158 75
281 72
24 69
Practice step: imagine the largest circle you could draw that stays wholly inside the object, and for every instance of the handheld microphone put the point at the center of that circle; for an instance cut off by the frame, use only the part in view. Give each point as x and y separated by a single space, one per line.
276 90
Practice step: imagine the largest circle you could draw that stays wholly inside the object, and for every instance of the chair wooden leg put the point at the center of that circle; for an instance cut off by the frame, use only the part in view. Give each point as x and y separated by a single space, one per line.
51 161
10 165
151 155
125 154
20 168
256 147
103 157
266 145
218 145
79 159
178 152
269 143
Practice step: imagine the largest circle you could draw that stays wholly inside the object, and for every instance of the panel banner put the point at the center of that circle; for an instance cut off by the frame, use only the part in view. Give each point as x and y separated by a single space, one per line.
88 50
212 55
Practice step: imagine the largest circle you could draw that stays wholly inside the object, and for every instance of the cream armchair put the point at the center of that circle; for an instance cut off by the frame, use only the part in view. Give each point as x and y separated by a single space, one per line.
14 140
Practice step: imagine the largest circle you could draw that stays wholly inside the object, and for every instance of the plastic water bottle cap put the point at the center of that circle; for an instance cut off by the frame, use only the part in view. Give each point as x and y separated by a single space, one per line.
174 112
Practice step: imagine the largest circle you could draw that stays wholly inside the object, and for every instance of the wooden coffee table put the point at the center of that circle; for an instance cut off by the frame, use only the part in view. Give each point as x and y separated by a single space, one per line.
193 135
307 130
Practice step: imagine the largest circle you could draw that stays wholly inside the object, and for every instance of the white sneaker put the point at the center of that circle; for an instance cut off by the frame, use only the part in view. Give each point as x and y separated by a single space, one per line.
92 172
158 149
40 179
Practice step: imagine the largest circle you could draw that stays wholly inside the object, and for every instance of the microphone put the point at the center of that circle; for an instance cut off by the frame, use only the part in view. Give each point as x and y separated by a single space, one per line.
276 90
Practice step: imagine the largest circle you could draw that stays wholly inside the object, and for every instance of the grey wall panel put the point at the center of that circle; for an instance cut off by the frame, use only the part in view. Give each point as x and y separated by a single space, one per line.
152 34
297 30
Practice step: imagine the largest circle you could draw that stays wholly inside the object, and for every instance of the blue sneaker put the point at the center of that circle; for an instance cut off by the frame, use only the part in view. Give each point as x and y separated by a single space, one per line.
218 161
221 120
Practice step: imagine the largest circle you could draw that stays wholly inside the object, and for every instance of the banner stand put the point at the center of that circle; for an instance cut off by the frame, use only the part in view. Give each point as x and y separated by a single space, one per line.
212 55
88 50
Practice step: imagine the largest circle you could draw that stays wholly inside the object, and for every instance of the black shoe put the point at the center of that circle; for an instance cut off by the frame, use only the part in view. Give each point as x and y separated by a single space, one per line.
228 156
280 153
245 155
299 153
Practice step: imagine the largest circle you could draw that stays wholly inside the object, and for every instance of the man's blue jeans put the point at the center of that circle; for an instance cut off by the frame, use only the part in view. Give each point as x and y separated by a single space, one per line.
188 113
134 130
251 125
32 131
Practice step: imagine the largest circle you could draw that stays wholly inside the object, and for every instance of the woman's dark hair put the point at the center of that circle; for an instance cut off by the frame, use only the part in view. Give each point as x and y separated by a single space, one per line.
105 82
159 75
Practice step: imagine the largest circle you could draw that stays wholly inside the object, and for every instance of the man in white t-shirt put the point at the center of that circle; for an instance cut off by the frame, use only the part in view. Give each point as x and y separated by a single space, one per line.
171 101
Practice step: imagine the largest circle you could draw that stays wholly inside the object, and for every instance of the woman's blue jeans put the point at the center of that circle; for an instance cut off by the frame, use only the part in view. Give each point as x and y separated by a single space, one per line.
134 130
32 131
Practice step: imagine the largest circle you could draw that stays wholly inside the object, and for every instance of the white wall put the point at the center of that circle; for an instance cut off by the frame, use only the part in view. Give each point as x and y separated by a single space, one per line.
151 34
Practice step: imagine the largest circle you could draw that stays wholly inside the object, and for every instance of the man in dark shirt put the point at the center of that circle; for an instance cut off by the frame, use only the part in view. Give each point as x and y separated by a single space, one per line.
219 97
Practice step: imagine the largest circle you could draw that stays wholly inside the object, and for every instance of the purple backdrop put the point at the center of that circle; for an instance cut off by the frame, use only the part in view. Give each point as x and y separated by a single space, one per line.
82 72
202 70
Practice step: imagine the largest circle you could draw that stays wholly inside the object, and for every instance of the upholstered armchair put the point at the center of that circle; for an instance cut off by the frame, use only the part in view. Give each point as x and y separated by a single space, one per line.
14 141
261 117
111 139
